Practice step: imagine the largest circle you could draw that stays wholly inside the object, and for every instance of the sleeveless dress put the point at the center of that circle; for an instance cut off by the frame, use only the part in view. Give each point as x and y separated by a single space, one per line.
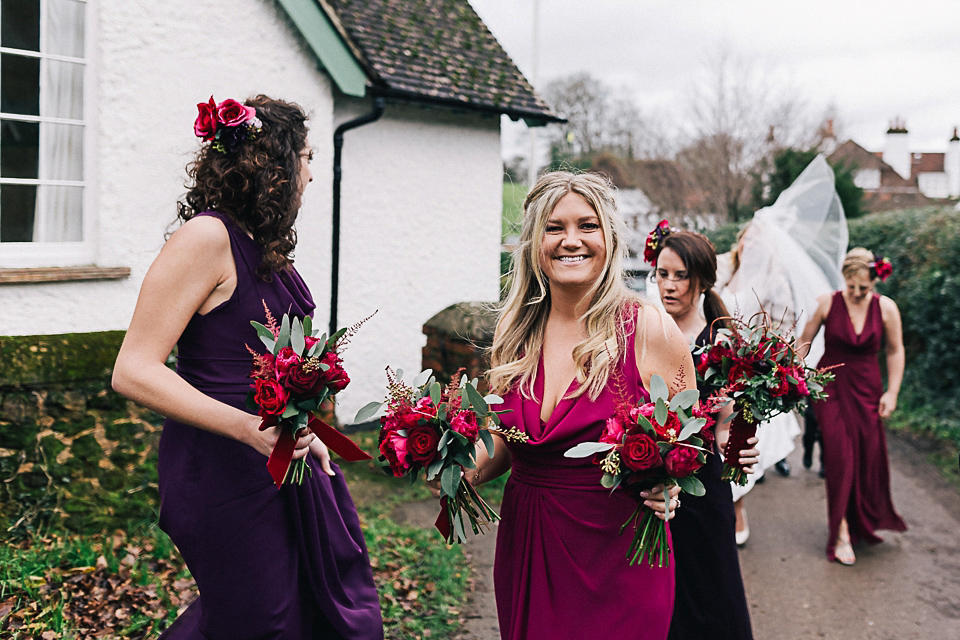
560 570
285 564
854 442
710 601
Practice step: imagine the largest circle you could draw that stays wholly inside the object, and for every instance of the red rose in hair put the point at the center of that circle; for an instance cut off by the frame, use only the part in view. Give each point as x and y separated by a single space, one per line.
231 113
640 452
270 396
205 126
422 444
682 461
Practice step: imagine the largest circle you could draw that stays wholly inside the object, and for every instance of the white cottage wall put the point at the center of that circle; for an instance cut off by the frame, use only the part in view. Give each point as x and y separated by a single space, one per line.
153 62
420 223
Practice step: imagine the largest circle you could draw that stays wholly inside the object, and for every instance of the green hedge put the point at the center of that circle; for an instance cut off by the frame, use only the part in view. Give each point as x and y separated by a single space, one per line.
924 247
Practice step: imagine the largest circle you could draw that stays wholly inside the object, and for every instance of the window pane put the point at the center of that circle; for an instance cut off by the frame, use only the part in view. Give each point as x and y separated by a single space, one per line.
19 84
59 214
62 157
62 92
17 206
19 149
63 32
20 24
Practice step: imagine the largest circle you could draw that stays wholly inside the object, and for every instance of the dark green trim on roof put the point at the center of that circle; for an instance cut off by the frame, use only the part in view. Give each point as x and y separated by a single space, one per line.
326 43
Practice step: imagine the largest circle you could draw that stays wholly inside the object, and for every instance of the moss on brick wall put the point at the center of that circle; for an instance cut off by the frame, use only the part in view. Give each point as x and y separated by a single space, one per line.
73 453
70 357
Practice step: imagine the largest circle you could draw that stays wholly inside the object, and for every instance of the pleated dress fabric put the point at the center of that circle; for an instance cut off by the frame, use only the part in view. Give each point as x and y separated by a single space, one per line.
287 564
854 441
561 570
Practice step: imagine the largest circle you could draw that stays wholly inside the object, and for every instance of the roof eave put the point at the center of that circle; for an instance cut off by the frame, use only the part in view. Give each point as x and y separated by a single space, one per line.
530 117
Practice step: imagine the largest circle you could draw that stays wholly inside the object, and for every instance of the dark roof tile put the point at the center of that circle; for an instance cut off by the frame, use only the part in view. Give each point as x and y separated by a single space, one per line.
440 50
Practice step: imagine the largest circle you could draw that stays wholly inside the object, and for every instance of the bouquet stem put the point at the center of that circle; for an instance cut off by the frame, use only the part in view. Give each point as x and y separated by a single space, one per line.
649 538
468 501
742 427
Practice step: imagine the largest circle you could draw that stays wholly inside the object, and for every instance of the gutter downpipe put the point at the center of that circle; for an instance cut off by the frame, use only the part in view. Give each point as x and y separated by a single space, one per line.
378 105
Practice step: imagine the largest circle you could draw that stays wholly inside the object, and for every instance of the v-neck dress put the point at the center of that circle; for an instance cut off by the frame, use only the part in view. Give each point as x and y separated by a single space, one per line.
854 442
287 564
561 570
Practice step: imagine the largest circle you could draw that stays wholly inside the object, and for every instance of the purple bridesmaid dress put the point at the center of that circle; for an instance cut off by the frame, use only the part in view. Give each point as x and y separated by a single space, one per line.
561 569
273 564
854 441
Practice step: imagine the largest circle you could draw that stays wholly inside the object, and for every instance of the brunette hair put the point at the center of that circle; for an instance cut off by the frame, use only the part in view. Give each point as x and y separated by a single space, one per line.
257 184
858 259
518 341
700 259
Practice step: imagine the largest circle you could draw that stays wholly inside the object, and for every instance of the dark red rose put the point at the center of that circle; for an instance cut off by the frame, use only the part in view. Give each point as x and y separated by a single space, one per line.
682 461
740 371
303 382
205 126
285 361
422 443
398 419
270 396
640 452
335 377
783 385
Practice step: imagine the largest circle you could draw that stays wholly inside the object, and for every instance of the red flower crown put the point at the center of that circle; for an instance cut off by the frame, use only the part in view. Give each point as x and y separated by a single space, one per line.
655 242
880 268
228 124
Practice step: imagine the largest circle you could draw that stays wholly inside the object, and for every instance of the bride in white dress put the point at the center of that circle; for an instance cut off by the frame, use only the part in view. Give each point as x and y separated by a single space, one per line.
790 253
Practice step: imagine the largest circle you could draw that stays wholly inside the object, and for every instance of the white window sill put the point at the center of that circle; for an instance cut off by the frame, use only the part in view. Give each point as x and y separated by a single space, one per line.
62 274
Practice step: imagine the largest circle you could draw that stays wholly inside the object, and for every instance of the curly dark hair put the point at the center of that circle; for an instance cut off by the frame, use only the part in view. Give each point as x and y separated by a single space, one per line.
256 185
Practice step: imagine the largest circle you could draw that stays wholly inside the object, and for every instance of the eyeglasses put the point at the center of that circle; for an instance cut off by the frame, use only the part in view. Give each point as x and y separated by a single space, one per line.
663 274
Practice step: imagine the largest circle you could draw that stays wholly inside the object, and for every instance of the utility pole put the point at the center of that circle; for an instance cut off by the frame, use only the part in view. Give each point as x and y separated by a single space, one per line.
534 73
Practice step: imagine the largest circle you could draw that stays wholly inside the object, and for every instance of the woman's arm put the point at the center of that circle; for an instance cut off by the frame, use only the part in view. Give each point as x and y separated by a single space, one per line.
490 468
813 326
893 336
195 265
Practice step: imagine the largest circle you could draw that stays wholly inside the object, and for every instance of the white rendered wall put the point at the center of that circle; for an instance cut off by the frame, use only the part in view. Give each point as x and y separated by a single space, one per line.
153 63
896 154
933 185
951 164
867 178
420 220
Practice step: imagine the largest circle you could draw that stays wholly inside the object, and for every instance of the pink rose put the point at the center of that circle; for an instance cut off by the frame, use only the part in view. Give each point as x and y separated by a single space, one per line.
682 461
286 360
613 432
393 448
205 126
465 423
231 113
310 341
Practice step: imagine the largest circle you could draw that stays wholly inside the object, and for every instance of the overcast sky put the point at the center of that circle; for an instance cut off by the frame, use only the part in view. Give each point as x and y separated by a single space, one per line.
873 60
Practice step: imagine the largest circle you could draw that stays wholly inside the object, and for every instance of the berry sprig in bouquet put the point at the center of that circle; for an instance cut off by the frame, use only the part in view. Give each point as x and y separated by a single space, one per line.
299 372
435 428
661 441
757 368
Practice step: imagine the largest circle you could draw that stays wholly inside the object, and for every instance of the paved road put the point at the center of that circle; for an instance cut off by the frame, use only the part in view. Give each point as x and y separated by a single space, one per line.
906 588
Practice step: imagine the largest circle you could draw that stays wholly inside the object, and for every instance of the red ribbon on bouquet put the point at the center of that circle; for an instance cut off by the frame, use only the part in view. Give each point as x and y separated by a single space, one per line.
443 520
279 461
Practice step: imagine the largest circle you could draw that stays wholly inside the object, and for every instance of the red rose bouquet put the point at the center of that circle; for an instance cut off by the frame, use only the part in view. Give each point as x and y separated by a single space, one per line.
661 441
761 371
290 382
434 428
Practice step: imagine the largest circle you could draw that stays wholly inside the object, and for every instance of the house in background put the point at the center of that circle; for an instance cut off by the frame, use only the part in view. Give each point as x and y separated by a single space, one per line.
97 102
897 178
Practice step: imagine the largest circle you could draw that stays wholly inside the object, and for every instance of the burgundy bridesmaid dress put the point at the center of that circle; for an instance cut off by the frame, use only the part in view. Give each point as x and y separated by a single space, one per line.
854 442
286 564
561 570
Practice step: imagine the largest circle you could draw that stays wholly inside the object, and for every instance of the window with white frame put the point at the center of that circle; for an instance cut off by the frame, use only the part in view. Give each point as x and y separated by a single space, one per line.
43 130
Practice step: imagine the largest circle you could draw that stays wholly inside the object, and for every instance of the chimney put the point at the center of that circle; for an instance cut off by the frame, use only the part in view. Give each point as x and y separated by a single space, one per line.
951 165
896 152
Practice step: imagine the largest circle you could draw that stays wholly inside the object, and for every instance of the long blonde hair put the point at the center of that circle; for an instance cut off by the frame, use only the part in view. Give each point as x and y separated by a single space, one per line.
518 341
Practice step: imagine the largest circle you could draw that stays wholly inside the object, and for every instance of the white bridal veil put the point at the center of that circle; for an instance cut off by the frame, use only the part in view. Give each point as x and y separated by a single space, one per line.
791 253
